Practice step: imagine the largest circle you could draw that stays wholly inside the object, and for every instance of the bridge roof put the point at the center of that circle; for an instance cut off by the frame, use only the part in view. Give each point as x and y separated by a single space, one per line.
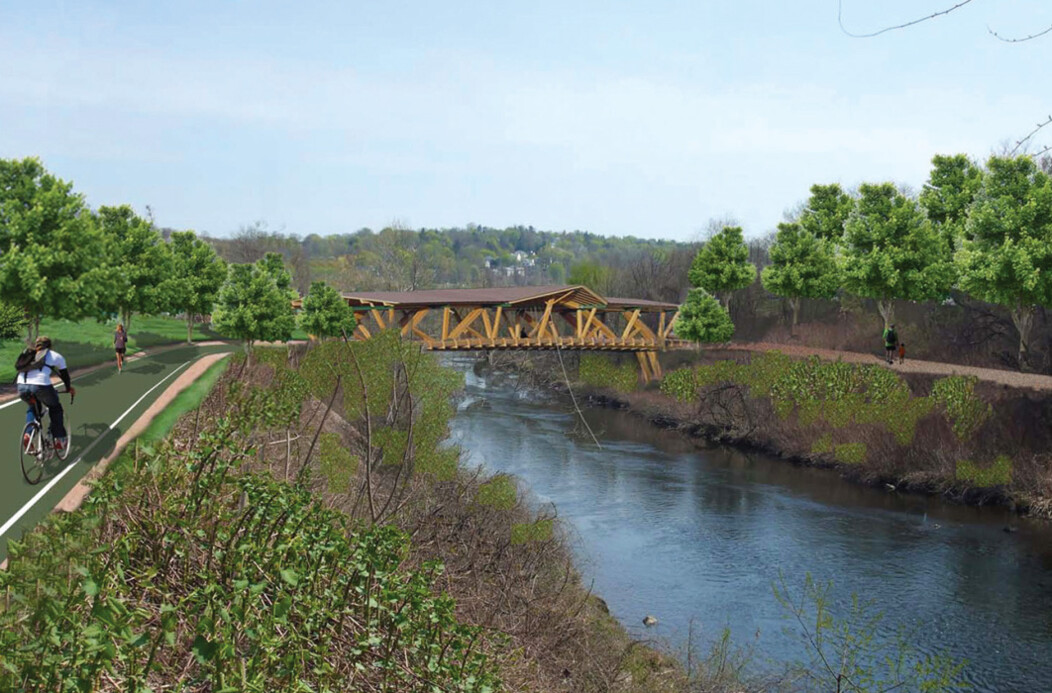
517 296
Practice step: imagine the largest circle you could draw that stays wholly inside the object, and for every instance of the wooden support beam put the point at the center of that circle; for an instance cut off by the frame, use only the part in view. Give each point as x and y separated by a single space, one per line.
412 322
465 324
643 366
655 365
364 330
670 325
631 323
445 323
496 323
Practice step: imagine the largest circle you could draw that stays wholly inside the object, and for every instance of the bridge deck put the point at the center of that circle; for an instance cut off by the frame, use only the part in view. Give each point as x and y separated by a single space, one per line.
522 317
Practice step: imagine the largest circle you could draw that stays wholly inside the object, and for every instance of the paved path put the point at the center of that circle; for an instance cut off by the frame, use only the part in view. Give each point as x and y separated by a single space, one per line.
106 405
993 375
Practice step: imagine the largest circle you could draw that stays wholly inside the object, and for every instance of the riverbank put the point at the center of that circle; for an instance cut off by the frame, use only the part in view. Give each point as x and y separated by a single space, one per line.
970 441
309 527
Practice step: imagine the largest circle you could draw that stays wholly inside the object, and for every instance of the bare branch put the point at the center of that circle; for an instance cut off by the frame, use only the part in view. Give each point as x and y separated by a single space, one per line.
1033 132
840 20
1019 39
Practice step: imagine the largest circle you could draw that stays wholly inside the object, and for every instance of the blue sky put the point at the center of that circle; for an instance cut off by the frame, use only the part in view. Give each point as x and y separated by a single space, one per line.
613 117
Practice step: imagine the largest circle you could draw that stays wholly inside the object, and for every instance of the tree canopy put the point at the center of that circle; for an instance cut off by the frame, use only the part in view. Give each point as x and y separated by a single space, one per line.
802 266
722 265
892 252
255 302
1006 253
138 262
702 319
827 211
949 193
325 313
49 247
197 273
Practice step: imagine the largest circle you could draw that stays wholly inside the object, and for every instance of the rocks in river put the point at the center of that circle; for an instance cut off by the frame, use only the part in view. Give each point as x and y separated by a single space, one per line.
649 621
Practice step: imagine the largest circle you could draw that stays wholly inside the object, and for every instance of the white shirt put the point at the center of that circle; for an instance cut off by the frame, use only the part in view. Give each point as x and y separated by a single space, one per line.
53 361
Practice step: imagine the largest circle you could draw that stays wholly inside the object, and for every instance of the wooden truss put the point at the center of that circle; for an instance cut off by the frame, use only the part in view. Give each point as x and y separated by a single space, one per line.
558 326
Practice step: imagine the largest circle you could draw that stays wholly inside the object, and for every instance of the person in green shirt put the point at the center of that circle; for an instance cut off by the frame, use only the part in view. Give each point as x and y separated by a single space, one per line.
891 342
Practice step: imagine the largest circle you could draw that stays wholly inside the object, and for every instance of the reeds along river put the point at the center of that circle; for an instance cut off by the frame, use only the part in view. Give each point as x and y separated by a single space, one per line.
666 529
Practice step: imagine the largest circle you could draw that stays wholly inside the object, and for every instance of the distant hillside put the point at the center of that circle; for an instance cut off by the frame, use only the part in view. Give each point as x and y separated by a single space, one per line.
405 259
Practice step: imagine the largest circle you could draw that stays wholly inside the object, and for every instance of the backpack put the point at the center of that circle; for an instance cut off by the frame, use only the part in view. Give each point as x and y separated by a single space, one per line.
892 338
29 361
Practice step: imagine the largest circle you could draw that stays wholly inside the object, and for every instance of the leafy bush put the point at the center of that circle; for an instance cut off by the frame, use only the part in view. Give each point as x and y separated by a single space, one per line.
498 492
599 370
187 568
823 445
524 532
999 473
850 453
964 409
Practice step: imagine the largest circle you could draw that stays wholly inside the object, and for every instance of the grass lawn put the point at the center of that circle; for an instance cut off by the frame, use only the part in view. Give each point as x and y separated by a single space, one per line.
89 342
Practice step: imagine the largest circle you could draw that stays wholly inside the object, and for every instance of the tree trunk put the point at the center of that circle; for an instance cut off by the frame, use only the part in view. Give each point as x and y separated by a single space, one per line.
1023 318
189 328
794 303
886 306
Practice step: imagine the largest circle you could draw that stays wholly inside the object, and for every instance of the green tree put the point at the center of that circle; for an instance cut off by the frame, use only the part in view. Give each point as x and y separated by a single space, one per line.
722 265
827 211
255 303
196 275
1006 253
702 319
12 321
949 193
49 247
137 259
591 274
325 313
892 252
802 266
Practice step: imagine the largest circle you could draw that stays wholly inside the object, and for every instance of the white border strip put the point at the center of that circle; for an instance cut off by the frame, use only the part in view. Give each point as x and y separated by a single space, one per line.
40 494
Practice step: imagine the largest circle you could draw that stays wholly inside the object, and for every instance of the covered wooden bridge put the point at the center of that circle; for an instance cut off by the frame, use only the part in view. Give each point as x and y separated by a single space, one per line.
521 317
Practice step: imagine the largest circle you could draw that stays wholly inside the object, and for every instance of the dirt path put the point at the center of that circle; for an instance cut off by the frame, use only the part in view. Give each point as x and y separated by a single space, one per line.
993 375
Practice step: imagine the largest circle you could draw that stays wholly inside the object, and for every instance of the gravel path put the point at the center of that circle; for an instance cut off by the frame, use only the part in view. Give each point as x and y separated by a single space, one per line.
993 375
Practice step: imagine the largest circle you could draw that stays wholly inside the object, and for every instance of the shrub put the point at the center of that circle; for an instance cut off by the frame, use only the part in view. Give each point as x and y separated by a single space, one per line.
999 473
499 493
850 453
538 531
823 445
965 411
599 370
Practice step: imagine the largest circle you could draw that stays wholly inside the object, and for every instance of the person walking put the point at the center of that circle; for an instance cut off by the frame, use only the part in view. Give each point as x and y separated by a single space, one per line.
902 352
891 342
120 344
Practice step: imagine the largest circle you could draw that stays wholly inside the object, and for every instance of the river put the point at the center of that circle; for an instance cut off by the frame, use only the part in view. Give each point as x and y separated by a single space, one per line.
661 527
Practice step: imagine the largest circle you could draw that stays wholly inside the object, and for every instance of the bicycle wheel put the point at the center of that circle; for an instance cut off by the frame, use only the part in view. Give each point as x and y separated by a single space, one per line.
32 452
64 452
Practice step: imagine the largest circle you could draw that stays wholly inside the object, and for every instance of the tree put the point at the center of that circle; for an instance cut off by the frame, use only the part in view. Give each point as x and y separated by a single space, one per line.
892 252
802 266
137 259
826 212
325 313
49 247
949 193
197 273
255 302
722 265
591 274
1006 253
12 321
703 319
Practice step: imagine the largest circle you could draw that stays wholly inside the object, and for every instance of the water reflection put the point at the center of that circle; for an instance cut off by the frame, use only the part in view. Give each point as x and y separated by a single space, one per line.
665 528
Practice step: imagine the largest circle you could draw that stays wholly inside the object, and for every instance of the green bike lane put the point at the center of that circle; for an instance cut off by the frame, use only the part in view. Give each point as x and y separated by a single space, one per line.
107 404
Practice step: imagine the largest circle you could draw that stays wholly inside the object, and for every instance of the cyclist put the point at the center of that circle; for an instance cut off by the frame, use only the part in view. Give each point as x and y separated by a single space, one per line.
37 383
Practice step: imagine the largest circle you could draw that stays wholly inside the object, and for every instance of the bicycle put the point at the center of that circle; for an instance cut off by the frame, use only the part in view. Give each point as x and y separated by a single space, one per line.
38 448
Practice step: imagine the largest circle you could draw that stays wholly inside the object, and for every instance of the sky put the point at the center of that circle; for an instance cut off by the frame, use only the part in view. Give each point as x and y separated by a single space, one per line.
619 118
